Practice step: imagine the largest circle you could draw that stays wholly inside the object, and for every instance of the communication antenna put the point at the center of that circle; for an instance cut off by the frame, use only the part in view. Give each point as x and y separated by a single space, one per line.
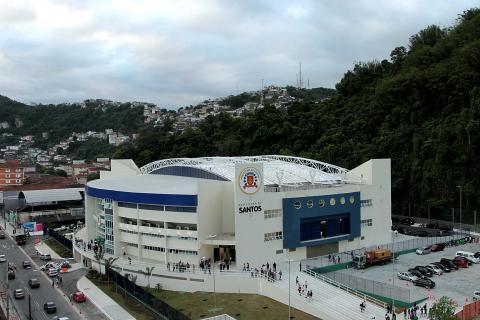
300 84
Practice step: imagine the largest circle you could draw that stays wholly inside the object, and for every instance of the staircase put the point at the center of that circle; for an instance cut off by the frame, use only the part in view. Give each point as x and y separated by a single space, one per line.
329 302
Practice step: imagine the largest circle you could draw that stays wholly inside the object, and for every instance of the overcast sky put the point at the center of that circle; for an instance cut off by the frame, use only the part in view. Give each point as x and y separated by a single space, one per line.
176 53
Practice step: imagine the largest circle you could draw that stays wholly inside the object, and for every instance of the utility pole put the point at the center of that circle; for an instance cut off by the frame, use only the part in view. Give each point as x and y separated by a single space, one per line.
289 281
460 187
453 217
7 289
29 307
475 220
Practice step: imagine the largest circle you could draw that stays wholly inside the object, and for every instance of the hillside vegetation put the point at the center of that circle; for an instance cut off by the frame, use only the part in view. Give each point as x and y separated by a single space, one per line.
420 108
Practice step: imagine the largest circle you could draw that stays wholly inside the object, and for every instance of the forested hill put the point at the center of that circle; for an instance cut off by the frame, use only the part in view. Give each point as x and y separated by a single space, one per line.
421 108
63 119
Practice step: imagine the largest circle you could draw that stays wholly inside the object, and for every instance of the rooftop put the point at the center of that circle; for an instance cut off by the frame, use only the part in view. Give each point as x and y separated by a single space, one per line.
277 170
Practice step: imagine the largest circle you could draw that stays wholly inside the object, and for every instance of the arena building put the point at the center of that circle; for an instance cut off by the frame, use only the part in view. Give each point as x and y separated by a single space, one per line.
244 209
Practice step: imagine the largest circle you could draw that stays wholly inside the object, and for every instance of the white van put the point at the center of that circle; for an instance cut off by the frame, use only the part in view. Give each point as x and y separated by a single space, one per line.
469 255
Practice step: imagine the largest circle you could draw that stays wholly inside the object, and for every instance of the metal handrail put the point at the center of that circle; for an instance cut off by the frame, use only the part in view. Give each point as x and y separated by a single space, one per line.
348 289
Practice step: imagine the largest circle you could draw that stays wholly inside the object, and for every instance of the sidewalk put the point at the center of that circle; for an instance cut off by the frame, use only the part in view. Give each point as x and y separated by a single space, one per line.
102 301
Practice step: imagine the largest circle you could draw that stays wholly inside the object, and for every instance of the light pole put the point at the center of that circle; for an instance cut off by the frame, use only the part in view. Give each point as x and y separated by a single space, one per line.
460 187
393 271
289 317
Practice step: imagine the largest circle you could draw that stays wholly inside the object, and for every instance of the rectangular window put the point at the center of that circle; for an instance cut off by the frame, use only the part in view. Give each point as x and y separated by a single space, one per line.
292 249
7 176
18 175
324 227
271 236
151 207
7 170
180 209
7 181
127 205
366 203
367 223
18 170
272 213
279 251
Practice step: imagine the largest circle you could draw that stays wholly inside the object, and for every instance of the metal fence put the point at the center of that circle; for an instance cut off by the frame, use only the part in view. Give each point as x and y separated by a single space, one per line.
152 303
373 287
60 238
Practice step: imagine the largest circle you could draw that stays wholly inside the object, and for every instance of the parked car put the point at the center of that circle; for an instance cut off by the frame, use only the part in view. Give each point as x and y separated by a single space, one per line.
406 276
395 219
446 228
26 264
407 221
426 283
476 295
2 235
449 263
52 272
49 307
424 271
421 233
48 266
416 273
443 267
470 256
34 283
45 256
79 297
423 250
477 254
3 258
461 262
437 247
60 318
434 269
19 294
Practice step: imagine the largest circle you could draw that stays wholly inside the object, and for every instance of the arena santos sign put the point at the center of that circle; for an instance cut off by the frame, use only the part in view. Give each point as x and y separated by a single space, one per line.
248 188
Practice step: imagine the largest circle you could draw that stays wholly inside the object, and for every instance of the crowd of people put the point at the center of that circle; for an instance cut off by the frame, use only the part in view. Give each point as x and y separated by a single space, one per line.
333 258
416 311
180 266
267 270
302 289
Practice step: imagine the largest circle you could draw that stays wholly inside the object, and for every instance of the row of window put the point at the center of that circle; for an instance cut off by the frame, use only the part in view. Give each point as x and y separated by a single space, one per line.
270 236
156 207
135 245
16 170
273 213
16 175
152 248
366 203
367 223
10 181
186 252
321 202
159 235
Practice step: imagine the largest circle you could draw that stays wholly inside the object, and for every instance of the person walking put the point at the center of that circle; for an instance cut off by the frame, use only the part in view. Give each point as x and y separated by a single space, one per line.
280 275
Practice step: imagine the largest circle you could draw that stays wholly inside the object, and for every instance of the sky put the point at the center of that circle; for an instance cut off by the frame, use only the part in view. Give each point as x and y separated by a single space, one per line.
179 53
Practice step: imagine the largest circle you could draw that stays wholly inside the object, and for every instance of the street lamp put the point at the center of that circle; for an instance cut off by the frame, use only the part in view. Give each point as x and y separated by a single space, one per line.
393 270
460 187
289 282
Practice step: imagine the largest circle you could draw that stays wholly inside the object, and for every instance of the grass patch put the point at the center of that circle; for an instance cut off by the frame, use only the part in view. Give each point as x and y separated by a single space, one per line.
196 305
137 310
59 248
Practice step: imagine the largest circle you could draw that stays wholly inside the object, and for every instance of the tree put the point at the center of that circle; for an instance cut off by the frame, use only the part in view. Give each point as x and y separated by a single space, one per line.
148 273
99 256
93 176
109 264
443 309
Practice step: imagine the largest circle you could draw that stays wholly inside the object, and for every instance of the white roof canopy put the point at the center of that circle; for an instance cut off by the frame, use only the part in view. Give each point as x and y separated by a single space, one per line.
277 170
51 195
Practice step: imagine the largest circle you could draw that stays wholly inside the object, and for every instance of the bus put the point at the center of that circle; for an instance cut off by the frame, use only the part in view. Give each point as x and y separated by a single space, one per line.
20 237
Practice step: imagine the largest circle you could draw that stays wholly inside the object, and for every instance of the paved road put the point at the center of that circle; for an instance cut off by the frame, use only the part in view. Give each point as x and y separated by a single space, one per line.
69 285
38 296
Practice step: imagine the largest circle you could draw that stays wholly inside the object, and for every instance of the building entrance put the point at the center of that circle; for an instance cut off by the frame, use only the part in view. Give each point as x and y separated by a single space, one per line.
224 253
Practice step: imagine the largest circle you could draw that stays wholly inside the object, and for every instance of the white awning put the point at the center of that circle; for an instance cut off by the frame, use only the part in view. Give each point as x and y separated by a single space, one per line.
51 195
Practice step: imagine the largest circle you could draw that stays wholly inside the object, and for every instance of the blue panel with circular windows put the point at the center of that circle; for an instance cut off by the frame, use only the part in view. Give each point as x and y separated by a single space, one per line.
311 221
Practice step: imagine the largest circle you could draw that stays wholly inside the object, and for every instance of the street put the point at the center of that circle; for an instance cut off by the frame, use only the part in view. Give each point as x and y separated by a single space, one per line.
38 296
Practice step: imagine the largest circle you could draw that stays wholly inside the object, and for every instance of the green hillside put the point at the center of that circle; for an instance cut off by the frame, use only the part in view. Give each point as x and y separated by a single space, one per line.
63 119
420 107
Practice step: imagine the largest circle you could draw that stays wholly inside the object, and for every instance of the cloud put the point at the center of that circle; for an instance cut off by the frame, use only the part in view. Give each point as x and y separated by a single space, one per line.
177 53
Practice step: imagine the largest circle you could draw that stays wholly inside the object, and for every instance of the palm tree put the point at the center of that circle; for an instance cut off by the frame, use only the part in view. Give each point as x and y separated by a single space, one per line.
108 265
133 278
99 256
148 274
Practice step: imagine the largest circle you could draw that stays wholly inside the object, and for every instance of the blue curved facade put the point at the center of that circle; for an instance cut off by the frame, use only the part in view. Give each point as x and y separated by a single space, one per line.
146 198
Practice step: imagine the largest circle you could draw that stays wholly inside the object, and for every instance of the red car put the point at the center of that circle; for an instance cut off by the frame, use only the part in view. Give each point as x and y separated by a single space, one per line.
461 262
79 297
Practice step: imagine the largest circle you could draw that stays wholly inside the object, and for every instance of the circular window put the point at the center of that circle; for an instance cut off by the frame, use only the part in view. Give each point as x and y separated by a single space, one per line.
332 201
297 205
352 199
321 203
309 203
342 200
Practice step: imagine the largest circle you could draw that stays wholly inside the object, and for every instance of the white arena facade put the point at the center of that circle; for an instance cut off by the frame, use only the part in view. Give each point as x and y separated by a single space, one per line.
252 210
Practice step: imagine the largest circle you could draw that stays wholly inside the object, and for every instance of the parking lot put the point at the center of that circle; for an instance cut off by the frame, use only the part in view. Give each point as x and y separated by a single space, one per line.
458 285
